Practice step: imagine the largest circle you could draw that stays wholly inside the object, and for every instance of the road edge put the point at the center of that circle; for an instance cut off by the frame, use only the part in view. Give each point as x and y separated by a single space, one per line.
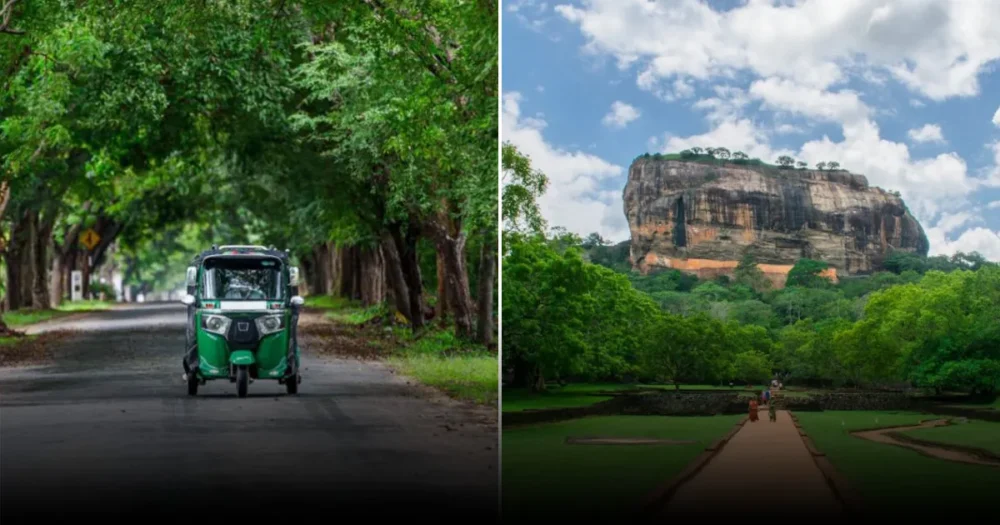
848 497
661 494
68 317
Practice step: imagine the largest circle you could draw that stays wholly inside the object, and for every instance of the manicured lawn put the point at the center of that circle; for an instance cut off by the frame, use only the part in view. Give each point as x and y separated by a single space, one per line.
19 318
545 476
894 479
994 405
979 434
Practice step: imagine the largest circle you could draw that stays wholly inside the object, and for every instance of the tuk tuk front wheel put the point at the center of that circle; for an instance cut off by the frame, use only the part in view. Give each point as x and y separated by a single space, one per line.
192 381
242 380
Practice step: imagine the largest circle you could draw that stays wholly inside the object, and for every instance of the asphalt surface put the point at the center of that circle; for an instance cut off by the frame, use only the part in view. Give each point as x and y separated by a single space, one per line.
109 431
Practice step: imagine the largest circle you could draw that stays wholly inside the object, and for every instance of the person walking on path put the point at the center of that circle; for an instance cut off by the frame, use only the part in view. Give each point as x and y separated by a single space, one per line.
753 410
772 413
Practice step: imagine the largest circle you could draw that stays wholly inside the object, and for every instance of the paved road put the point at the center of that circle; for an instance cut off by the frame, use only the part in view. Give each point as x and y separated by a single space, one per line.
110 431
764 470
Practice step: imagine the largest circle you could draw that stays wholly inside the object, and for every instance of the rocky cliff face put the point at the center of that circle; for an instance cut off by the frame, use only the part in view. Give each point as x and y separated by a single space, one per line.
703 218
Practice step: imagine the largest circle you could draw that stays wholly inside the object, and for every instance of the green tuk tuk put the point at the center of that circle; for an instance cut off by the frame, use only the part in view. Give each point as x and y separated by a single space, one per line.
243 309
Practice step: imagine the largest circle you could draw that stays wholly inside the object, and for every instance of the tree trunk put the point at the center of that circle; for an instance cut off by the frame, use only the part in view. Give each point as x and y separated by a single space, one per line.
452 249
56 281
17 246
406 248
20 271
327 263
487 273
346 284
43 237
537 379
373 270
441 310
397 280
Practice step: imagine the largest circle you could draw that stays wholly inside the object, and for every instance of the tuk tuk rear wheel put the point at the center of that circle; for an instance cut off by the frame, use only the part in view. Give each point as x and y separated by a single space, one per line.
242 380
292 385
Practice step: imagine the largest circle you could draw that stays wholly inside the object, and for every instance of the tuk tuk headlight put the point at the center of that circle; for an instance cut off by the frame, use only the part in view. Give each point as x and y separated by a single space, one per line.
270 324
216 324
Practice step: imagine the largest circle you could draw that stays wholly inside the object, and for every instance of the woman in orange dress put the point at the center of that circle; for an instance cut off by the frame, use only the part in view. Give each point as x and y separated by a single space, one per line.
753 410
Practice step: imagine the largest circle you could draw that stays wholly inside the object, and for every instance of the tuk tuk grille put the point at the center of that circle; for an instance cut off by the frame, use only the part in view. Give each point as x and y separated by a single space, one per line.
243 332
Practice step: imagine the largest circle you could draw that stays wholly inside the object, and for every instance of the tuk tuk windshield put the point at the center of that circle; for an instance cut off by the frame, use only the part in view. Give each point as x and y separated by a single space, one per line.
242 279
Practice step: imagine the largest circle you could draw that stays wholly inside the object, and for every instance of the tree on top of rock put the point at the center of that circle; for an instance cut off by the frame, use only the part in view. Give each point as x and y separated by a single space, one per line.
833 165
785 161
806 272
747 272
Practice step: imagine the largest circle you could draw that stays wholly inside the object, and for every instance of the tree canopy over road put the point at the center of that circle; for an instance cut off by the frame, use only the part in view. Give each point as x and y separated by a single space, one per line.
361 135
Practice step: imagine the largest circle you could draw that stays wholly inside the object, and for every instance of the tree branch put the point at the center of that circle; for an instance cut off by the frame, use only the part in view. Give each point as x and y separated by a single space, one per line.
6 11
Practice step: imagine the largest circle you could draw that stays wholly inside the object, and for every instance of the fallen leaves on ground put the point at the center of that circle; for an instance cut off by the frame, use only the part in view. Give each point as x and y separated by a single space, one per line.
342 341
29 350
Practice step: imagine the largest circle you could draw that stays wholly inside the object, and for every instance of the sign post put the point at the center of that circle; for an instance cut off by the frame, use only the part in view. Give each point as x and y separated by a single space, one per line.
76 291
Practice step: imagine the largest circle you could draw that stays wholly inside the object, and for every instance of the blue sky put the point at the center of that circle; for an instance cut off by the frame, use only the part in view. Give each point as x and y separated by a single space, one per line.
902 92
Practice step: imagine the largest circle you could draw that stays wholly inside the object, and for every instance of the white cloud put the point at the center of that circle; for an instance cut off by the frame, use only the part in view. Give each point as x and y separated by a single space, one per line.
928 133
575 198
540 88
620 115
935 48
787 129
979 239
727 105
782 95
917 103
996 118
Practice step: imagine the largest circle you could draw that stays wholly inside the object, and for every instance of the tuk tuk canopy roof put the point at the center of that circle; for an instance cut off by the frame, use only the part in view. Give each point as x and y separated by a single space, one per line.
267 252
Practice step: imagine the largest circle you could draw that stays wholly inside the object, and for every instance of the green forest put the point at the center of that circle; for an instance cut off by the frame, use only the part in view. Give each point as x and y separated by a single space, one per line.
574 310
359 135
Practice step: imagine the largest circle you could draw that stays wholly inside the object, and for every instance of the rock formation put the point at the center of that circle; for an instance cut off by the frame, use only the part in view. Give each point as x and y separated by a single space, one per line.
702 218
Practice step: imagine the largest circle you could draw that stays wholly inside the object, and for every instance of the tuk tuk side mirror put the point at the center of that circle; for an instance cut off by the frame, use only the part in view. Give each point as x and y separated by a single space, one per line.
192 276
298 301
293 276
188 299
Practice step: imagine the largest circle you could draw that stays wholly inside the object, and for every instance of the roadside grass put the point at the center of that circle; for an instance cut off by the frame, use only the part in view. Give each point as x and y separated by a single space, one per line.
584 394
25 317
974 433
435 357
440 359
11 341
543 475
895 480
345 311
328 302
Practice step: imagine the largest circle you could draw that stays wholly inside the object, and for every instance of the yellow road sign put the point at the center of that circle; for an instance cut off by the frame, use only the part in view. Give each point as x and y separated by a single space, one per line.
90 238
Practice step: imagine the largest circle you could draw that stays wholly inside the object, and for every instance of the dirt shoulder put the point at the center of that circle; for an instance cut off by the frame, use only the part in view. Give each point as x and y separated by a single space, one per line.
378 347
29 350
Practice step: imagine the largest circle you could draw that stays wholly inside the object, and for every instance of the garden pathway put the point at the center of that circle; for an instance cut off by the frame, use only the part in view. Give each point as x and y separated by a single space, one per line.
765 466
